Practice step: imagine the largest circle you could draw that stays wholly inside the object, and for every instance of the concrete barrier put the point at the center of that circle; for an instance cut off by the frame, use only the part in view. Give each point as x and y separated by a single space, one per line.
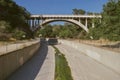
106 57
11 61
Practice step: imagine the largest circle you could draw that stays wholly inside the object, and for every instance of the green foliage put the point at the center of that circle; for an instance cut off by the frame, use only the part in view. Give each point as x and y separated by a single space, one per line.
96 33
111 20
65 33
14 15
62 31
4 26
19 34
83 35
62 70
110 26
4 31
46 31
78 11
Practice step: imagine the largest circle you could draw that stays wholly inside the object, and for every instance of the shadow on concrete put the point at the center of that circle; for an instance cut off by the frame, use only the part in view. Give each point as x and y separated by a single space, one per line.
30 69
112 46
52 41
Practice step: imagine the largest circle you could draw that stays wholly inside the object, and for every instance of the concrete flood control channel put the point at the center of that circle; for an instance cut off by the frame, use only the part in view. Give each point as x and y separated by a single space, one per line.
62 70
42 66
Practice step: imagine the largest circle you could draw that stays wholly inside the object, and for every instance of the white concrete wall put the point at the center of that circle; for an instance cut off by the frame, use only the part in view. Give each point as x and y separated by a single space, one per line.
106 57
11 61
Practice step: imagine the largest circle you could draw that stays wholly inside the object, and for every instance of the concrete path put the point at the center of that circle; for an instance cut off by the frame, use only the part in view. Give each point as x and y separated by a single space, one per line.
40 67
86 68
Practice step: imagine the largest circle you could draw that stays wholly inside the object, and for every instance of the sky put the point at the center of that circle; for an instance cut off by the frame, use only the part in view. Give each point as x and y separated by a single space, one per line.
61 6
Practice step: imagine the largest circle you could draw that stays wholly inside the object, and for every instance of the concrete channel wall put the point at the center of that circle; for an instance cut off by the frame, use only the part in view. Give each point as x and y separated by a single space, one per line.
106 57
13 60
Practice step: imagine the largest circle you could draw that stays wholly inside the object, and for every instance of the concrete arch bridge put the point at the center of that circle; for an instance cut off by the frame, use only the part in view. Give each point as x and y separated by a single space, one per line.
37 21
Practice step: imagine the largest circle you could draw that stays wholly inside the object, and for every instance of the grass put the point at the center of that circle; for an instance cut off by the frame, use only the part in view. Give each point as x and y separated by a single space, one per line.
62 70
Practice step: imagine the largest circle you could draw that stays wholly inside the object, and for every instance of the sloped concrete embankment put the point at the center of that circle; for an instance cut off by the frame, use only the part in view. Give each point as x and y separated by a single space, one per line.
106 57
13 60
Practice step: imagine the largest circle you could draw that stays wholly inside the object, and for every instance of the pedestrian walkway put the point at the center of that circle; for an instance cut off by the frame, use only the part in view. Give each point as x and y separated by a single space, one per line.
40 67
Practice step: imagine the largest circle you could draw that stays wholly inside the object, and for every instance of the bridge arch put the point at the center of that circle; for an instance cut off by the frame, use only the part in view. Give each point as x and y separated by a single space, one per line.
36 21
66 20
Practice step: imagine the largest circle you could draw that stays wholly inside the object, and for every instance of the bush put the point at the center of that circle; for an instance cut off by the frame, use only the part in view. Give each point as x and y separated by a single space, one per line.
4 26
4 38
19 35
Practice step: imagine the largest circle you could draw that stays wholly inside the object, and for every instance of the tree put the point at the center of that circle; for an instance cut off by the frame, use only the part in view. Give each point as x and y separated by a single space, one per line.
15 15
19 34
46 31
4 26
111 20
78 11
110 26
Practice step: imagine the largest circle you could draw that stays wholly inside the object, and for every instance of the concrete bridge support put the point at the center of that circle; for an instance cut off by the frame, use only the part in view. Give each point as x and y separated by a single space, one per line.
37 21
86 23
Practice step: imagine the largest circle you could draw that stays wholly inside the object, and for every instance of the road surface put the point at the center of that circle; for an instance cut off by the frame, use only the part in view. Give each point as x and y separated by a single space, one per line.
86 68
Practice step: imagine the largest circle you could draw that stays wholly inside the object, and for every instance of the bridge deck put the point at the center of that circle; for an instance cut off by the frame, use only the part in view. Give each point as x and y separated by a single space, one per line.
66 16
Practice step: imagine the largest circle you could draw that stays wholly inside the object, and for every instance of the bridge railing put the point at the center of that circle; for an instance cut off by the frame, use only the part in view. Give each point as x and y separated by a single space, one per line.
66 16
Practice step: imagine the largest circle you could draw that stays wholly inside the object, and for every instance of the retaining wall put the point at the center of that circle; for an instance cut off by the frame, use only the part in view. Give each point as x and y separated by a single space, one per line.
106 57
11 61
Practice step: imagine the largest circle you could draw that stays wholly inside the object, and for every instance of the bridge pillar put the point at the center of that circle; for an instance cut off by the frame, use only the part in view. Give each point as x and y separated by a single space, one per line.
33 23
28 22
38 21
93 24
79 20
100 20
86 22
41 23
